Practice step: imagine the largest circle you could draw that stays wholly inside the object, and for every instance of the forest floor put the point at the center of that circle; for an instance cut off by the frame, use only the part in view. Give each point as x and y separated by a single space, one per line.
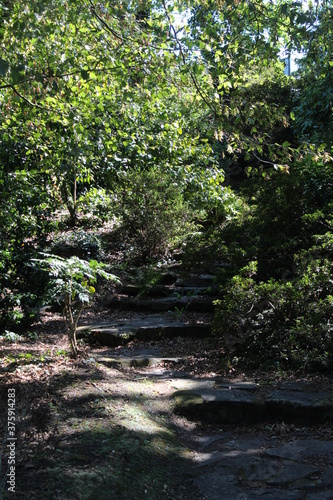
88 431
82 426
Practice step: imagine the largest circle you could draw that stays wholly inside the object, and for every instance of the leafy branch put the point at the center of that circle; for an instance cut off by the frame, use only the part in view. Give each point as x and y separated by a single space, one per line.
70 284
181 51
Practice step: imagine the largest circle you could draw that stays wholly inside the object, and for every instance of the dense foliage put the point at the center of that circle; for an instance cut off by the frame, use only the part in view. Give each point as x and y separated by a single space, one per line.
175 120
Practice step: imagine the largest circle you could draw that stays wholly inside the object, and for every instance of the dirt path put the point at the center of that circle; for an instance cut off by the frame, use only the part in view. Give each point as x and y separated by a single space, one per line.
89 431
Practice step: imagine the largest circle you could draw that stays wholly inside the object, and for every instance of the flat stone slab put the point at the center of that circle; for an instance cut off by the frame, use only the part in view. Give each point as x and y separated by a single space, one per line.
220 406
299 407
190 384
243 386
163 304
217 486
136 361
202 280
164 290
279 474
151 327
198 304
248 468
237 403
203 442
304 450
224 483
323 495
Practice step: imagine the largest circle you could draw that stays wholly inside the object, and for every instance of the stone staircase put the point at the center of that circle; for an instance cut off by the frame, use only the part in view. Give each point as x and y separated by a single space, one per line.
171 294
250 440
244 440
213 400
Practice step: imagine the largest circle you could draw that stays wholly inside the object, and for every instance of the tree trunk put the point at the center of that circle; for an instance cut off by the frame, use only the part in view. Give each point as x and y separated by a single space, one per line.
71 325
69 201
72 339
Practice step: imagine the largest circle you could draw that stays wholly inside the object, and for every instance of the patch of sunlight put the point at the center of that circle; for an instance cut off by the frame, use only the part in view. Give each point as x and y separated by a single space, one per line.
134 418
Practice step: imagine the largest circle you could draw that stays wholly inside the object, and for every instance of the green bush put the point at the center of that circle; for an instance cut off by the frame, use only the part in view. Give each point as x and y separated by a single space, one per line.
20 286
77 243
285 324
155 218
270 221
207 247
95 204
277 293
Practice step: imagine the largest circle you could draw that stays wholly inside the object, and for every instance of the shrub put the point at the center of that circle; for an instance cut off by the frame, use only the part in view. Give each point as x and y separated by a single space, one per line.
280 323
20 286
79 243
208 245
155 217
96 204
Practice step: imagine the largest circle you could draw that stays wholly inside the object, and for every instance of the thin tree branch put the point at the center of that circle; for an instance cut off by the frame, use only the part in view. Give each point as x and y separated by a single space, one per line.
6 86
193 78
264 161
35 105
104 23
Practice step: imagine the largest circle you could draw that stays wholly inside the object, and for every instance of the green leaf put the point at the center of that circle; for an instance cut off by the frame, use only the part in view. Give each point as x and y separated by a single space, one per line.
84 74
4 66
18 73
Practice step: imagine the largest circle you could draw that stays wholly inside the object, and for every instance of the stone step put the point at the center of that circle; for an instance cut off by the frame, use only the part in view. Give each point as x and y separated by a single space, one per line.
180 304
135 361
170 282
146 328
196 280
238 405
165 291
